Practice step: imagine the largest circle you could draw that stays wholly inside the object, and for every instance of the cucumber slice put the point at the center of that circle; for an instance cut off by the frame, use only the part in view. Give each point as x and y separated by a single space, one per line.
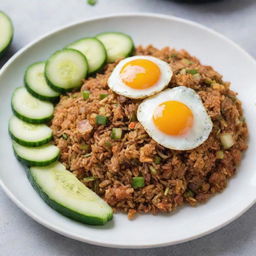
6 32
118 45
61 190
66 69
37 156
93 50
36 84
30 135
29 108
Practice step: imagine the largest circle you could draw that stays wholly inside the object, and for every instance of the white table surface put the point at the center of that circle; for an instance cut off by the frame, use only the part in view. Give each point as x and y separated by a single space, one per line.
19 234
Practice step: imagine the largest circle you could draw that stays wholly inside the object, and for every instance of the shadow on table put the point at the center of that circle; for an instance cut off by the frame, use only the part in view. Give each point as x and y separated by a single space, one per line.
230 239
7 55
215 6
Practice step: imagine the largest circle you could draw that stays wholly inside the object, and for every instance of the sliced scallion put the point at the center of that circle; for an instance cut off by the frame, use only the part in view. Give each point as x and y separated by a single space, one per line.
157 160
191 71
86 94
101 120
103 96
152 170
138 182
116 133
85 147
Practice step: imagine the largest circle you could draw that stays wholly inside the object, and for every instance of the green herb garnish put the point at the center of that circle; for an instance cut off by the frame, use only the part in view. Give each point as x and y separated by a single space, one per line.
138 182
191 71
101 120
86 95
108 144
85 147
189 193
91 2
103 96
116 133
157 160
152 170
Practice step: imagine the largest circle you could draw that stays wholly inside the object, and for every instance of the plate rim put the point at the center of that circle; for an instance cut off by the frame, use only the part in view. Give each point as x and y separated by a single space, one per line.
59 230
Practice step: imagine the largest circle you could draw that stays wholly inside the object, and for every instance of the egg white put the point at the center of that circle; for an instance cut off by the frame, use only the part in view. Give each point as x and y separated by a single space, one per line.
116 84
202 124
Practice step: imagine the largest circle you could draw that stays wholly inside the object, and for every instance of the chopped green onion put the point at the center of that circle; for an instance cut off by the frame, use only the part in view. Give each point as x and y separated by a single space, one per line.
86 95
116 133
91 2
174 55
103 96
64 136
227 140
189 193
152 170
191 71
101 120
86 179
85 147
138 182
220 154
88 155
166 191
74 96
157 160
108 144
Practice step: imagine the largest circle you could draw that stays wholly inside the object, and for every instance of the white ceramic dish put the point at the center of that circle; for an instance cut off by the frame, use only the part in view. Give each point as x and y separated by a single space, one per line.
146 231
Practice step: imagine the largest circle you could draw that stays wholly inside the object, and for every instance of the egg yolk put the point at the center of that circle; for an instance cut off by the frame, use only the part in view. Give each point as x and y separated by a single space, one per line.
140 74
173 118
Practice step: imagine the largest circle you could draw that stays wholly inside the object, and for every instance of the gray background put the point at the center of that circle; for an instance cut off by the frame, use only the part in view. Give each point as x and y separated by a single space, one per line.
19 234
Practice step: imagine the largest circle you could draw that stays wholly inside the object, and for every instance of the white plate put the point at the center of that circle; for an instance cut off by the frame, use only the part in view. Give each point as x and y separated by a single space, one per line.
146 231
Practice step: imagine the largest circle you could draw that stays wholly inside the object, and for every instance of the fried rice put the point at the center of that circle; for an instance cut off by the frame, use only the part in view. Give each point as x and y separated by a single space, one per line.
172 178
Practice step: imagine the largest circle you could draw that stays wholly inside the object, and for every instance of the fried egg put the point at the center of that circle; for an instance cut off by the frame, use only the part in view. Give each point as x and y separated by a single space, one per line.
140 76
176 118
